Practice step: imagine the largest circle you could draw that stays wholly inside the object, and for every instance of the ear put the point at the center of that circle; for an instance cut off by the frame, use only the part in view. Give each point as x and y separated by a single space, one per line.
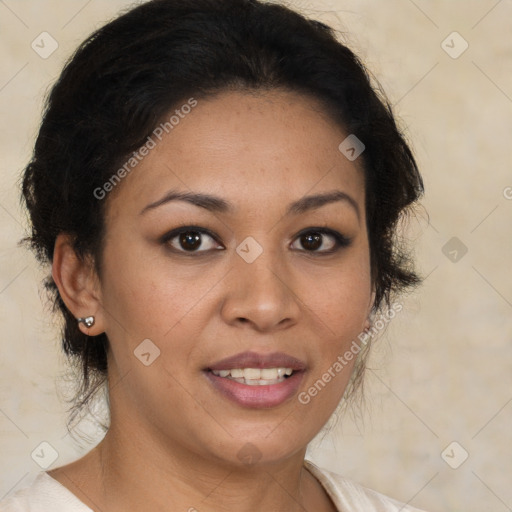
78 284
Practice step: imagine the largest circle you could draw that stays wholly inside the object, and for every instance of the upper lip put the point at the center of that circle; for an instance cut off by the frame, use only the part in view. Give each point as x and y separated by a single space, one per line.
254 360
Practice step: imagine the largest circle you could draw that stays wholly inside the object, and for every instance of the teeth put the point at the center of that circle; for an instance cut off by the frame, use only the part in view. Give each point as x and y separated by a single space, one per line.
269 373
251 373
255 376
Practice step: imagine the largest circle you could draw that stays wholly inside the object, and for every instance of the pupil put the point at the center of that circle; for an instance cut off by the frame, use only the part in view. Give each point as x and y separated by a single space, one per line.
190 240
312 241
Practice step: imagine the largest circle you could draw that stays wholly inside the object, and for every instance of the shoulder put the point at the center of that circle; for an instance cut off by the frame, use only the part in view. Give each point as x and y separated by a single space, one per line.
44 494
349 495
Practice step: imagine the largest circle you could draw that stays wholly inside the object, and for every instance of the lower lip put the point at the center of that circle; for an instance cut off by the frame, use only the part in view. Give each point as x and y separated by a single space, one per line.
257 397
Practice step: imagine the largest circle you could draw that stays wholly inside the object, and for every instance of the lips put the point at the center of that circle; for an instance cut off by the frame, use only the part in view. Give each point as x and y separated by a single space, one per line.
255 360
243 378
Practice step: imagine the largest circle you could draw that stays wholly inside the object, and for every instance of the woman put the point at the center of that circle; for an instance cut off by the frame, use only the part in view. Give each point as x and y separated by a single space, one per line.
217 186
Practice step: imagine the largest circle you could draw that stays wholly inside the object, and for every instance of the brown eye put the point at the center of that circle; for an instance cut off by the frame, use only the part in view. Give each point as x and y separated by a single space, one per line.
190 240
187 240
321 241
311 242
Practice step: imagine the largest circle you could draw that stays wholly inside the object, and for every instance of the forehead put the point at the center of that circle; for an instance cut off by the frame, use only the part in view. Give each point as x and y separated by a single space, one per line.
247 147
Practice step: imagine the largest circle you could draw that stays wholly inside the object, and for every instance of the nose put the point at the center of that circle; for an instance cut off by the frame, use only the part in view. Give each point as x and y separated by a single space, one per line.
261 295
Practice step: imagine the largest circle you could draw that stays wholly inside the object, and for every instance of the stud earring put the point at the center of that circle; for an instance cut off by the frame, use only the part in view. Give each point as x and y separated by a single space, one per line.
88 321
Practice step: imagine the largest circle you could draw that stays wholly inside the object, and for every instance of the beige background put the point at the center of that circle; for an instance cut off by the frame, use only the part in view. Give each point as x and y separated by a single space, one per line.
443 370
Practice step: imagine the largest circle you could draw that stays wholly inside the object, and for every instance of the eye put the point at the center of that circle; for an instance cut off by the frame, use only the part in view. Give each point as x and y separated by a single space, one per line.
194 239
191 239
321 240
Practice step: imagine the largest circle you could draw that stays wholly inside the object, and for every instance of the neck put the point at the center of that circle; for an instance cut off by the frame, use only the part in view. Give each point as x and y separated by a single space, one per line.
136 472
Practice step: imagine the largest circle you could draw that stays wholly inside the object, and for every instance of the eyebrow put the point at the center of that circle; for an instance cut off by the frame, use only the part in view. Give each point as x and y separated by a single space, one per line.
219 205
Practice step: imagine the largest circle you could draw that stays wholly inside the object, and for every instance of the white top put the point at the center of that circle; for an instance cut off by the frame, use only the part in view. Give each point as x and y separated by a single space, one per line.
46 494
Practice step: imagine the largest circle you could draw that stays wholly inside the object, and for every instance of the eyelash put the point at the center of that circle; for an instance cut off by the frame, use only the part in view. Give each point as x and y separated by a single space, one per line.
340 241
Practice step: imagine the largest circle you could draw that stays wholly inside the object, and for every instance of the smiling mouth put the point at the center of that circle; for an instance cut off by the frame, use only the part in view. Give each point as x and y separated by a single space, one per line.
255 376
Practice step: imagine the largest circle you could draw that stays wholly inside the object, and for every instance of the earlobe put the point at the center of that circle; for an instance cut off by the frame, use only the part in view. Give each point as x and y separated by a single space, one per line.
77 283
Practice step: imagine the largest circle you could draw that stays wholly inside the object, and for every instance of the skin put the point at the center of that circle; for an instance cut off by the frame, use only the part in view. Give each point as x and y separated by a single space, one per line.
174 439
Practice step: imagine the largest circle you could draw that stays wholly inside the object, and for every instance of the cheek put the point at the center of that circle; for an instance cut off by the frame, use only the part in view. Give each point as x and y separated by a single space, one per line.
339 307
131 292
340 319
149 297
340 298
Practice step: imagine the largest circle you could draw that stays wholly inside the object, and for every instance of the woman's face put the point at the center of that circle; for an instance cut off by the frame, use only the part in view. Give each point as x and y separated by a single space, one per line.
255 283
